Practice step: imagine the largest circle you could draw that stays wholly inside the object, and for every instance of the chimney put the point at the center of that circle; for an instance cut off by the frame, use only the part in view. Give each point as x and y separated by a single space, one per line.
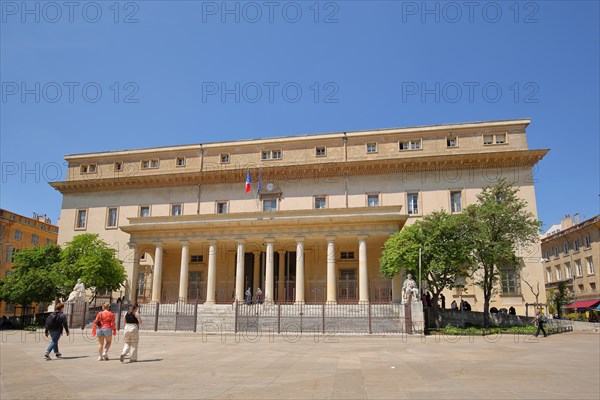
566 222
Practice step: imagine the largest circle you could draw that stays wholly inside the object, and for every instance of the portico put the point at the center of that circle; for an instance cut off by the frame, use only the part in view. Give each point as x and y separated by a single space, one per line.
300 256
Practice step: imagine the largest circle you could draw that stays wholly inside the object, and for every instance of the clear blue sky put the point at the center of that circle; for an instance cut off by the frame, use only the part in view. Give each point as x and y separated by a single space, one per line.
182 72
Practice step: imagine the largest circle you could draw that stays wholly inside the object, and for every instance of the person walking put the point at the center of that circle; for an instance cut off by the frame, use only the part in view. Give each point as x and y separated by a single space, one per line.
248 294
540 319
133 321
104 329
55 323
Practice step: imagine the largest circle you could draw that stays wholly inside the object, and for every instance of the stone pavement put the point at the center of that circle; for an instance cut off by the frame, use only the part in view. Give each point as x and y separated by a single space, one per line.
193 366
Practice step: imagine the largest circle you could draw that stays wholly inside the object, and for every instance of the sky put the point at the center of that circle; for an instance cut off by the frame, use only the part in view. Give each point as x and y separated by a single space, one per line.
80 77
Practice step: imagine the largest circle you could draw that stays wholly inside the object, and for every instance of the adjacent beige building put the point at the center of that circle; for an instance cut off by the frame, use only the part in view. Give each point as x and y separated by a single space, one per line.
571 252
185 227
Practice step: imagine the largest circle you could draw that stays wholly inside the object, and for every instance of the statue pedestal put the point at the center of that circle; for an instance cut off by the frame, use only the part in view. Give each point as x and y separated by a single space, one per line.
75 312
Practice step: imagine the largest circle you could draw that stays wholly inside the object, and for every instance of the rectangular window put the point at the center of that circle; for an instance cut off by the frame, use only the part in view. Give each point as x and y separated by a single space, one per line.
576 245
371 148
271 155
413 203
488 139
566 247
9 253
558 273
18 235
144 211
118 166
500 138
590 265
49 242
150 164
276 154
270 205
549 274
176 209
451 142
510 280
224 158
111 217
221 207
569 270
35 239
410 145
88 168
372 200
456 202
587 242
81 219
321 151
197 258
347 255
320 202
556 252
180 162
581 288
578 268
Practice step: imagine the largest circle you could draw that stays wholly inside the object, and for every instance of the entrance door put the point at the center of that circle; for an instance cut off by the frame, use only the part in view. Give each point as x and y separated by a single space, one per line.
347 286
195 287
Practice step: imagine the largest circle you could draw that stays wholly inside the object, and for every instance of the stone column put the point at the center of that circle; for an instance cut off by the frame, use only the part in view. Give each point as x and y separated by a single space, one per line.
211 280
239 272
299 271
281 286
183 271
133 280
269 272
363 276
157 274
331 277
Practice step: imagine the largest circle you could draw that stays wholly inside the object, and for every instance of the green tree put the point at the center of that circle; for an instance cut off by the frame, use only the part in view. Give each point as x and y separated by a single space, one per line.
34 278
561 296
497 225
89 258
445 253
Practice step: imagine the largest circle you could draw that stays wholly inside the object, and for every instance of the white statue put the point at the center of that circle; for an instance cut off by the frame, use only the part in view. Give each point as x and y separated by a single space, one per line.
78 293
410 292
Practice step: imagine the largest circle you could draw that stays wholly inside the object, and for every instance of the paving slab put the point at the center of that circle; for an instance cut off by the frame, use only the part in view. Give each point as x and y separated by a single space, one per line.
176 365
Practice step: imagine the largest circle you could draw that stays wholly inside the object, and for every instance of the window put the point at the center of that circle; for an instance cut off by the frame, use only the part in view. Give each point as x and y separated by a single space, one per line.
372 200
9 253
590 265
587 242
150 164
578 268
144 211
224 158
488 139
510 280
498 138
451 142
271 155
88 168
176 209
566 247
270 205
410 145
221 207
198 258
558 273
413 203
118 166
320 202
556 252
371 148
569 270
141 284
549 274
455 202
81 221
347 255
593 286
111 217
18 235
581 288
501 138
576 245
35 239
546 255
321 151
180 162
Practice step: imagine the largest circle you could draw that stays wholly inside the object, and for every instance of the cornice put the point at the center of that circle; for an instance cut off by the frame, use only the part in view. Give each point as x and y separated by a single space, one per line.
469 161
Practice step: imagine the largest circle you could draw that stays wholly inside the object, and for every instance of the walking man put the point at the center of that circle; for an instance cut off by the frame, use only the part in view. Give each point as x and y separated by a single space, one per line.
54 327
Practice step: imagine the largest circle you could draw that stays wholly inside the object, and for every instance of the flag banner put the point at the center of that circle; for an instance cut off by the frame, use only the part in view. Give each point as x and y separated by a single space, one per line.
259 185
248 182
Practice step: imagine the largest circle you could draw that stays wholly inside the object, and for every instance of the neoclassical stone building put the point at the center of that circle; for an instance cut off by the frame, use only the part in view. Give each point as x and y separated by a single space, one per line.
312 225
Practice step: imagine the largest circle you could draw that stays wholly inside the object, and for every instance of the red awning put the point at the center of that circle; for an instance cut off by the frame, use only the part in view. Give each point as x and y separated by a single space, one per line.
584 304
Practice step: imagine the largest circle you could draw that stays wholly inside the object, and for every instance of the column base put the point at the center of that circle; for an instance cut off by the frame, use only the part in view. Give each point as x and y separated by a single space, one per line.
209 302
299 302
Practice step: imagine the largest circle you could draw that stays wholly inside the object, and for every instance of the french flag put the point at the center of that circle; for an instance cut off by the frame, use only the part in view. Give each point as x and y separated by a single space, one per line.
248 182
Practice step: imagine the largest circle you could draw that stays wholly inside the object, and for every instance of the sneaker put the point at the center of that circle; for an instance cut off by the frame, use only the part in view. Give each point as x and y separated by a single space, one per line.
58 355
100 358
122 357
105 356
47 357
132 361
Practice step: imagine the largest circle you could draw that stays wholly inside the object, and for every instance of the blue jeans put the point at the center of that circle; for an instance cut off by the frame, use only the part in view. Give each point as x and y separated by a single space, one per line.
55 336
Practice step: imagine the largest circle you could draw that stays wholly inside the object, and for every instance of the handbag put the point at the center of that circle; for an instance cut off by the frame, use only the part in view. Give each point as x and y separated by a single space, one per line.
98 323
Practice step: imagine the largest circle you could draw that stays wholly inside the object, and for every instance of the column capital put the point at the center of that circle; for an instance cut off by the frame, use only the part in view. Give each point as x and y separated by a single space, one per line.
330 238
184 242
131 244
299 239
240 240
211 241
158 243
363 236
269 239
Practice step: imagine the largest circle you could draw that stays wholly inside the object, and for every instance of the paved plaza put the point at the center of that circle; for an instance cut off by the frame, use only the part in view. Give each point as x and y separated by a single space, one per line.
193 366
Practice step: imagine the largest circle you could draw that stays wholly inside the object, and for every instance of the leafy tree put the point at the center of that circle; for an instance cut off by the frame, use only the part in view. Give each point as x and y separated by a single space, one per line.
34 278
89 258
497 225
561 296
444 253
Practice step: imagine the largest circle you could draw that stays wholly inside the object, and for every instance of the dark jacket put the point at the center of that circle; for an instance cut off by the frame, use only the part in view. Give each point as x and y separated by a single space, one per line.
63 321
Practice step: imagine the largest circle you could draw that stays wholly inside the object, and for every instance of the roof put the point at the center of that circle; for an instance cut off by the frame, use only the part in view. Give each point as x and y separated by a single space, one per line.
584 304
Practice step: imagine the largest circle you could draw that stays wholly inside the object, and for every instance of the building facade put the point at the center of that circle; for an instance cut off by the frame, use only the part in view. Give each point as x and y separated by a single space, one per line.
17 233
571 254
312 225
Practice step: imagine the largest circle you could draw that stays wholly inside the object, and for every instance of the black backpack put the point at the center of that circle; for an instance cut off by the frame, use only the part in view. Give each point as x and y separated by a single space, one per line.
53 322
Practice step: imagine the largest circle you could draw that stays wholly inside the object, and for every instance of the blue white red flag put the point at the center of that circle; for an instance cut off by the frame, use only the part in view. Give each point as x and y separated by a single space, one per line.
248 182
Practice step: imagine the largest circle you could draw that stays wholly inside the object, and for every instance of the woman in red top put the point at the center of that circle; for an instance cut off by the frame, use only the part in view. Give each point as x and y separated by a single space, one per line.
104 328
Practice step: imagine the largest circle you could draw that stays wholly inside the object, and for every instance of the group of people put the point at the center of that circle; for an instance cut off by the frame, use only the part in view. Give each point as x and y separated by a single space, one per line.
464 305
104 329
258 296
